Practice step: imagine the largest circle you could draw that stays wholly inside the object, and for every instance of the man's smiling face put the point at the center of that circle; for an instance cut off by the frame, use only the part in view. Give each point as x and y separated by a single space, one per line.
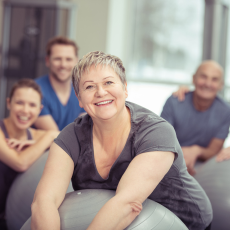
61 61
208 80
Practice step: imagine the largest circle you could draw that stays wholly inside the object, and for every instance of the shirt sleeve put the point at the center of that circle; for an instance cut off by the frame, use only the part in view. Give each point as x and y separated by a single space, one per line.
41 82
223 129
167 112
68 141
157 136
45 109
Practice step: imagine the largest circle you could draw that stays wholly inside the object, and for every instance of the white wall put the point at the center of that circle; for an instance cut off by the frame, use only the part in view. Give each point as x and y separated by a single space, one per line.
119 28
91 25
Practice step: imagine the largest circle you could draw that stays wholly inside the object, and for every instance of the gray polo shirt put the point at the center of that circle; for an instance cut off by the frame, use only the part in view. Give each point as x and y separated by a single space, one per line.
194 127
177 191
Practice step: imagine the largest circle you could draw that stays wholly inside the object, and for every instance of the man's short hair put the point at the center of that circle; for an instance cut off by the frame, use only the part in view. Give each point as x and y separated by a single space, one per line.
60 41
94 59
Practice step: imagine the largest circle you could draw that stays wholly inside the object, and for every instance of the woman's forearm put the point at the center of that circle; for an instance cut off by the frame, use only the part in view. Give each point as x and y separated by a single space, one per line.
51 190
139 180
32 153
115 215
45 216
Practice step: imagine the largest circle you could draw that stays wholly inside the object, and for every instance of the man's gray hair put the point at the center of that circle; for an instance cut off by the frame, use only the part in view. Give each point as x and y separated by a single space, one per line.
94 59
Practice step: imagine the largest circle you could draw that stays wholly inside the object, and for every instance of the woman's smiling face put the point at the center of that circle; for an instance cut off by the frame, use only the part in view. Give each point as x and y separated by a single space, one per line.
24 106
102 93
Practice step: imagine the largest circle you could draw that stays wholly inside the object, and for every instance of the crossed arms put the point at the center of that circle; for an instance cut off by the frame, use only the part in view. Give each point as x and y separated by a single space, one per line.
22 159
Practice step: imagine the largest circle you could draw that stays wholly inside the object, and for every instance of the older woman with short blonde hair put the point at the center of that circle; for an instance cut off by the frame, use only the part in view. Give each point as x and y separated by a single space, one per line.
120 146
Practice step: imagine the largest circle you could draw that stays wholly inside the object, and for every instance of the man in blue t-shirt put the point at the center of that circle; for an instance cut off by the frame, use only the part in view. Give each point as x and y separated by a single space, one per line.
202 120
60 104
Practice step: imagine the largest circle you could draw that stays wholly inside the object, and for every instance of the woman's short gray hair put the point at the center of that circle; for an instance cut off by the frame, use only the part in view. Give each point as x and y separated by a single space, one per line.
93 59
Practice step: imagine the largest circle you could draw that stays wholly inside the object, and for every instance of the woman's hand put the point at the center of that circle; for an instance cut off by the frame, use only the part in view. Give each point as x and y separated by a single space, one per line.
19 155
180 93
223 155
19 145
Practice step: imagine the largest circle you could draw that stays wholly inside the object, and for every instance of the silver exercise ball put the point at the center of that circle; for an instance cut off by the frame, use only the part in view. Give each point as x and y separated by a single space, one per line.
214 177
80 207
20 197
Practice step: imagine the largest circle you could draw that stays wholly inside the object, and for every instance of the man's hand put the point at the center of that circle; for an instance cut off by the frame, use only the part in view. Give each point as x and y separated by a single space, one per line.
191 153
180 93
223 155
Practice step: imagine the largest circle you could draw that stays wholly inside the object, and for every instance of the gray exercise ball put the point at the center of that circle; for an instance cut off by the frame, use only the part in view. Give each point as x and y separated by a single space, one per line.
214 177
20 197
80 207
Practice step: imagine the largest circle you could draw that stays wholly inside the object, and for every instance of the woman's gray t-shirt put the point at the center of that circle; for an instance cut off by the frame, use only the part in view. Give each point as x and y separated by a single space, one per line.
177 191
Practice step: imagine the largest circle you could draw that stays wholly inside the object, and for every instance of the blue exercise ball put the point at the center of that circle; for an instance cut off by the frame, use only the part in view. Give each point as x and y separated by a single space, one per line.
80 207
214 177
20 197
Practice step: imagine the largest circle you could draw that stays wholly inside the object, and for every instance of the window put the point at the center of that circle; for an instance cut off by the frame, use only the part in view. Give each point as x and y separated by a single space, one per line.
227 72
167 41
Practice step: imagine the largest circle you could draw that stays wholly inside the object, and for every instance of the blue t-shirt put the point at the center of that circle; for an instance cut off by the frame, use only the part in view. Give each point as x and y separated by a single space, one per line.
195 127
62 114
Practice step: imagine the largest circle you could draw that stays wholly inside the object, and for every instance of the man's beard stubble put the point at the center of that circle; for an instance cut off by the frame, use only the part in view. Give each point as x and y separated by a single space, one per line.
58 79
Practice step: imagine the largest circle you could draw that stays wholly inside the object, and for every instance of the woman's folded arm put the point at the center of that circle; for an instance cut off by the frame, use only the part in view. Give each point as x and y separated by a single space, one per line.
138 182
21 161
51 190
